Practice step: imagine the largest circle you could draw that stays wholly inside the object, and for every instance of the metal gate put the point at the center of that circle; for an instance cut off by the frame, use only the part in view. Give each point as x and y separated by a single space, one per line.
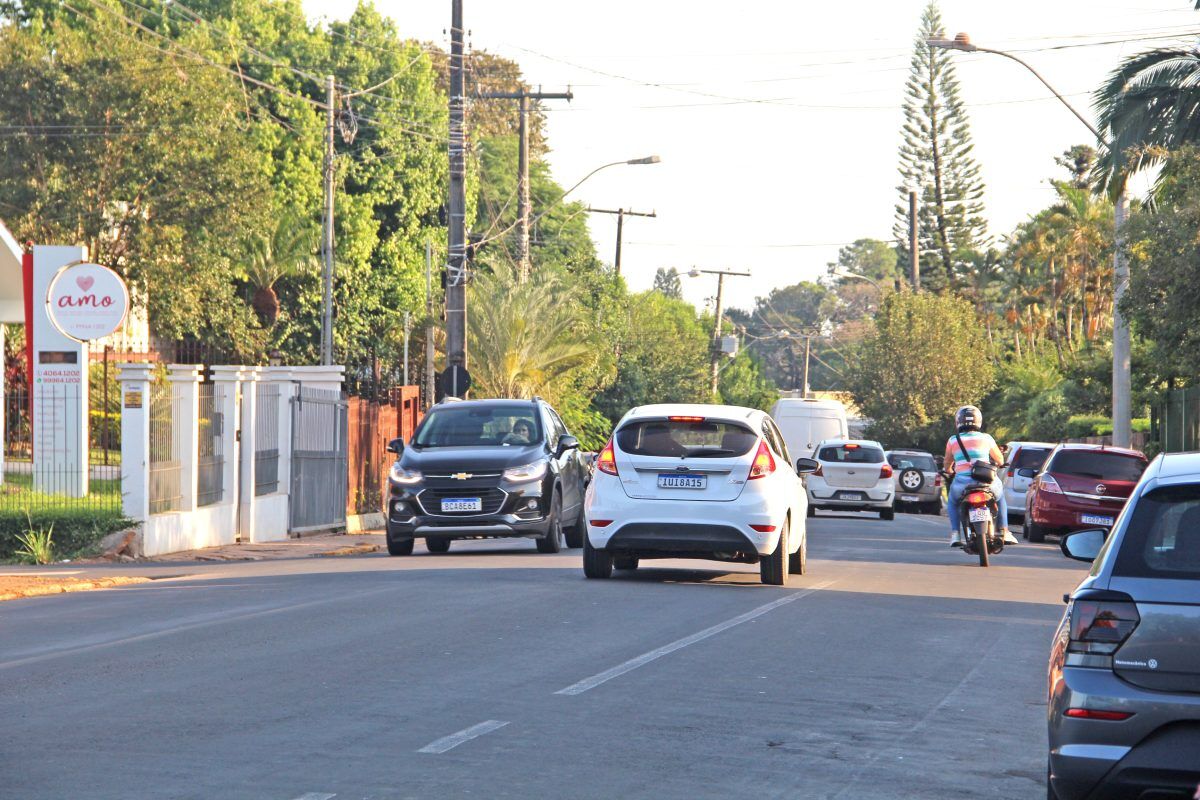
319 474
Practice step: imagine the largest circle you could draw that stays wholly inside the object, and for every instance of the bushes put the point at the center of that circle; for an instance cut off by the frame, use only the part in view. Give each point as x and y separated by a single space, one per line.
75 529
1080 426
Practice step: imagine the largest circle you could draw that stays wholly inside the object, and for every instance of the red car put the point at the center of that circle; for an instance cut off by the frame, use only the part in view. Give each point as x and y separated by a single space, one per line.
1080 486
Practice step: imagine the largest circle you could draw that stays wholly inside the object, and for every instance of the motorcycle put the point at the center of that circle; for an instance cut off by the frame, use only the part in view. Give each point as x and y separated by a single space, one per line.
977 514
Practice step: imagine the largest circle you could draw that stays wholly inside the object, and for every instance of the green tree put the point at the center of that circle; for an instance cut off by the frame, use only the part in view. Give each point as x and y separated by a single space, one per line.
743 383
936 161
924 358
666 282
871 258
289 251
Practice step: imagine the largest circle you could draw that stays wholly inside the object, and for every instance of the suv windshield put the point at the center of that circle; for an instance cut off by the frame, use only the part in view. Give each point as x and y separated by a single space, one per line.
480 426
686 439
851 454
910 461
1030 458
1098 464
1163 538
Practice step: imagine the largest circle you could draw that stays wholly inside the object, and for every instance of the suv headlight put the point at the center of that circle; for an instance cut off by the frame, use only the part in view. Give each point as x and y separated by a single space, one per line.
529 472
404 477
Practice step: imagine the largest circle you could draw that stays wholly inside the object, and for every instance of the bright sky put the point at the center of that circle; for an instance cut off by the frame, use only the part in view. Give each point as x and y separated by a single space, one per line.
777 185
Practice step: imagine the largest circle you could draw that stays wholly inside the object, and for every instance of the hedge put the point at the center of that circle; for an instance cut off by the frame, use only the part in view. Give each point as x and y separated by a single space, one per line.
76 530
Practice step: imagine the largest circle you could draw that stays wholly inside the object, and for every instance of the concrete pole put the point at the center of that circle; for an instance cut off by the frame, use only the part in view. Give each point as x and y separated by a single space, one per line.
620 227
429 354
456 268
807 351
716 352
523 265
327 245
1121 381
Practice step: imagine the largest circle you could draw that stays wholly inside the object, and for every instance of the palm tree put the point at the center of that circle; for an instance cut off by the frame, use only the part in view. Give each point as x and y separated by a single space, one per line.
290 249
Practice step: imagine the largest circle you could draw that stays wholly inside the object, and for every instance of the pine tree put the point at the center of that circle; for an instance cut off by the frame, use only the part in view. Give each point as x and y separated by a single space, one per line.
935 159
667 282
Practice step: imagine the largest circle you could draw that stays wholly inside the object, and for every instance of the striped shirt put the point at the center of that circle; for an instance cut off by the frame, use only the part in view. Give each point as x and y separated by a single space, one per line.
979 447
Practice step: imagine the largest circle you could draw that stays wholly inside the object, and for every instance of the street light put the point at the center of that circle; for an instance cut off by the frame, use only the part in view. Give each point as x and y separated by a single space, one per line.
695 272
842 272
1122 434
632 161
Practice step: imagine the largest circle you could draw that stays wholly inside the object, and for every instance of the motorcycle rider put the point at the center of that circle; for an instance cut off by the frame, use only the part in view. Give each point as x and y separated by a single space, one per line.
968 420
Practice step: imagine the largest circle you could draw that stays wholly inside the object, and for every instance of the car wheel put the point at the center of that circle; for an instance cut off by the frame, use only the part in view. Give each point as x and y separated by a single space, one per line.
596 563
437 545
574 533
887 513
798 561
811 512
399 547
772 569
1034 532
552 541
625 562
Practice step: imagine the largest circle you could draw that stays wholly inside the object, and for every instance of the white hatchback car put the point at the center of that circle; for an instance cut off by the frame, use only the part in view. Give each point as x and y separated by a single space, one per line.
852 475
697 481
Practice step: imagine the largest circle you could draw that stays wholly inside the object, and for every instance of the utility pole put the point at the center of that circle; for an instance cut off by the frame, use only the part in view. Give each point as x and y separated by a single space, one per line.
807 351
327 245
456 267
523 97
914 251
429 390
1122 404
621 214
720 310
406 318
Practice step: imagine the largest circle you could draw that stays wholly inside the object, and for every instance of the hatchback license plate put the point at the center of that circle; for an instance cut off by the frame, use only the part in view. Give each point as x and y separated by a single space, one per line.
463 504
851 496
980 514
1093 519
672 481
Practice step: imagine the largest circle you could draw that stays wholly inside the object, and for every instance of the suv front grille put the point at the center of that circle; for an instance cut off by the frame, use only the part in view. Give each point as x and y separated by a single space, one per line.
492 500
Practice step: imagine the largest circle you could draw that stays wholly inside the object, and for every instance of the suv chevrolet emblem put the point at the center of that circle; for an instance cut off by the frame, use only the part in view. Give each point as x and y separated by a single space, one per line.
461 476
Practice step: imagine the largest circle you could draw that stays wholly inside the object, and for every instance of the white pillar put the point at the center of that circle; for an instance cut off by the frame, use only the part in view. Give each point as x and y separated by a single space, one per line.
281 377
3 405
249 436
135 440
185 399
227 381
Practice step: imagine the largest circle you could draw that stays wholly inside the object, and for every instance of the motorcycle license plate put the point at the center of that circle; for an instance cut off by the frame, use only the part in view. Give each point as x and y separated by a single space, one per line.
980 515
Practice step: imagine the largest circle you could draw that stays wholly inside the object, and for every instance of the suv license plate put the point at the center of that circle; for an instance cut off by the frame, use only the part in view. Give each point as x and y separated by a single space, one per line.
673 481
1092 519
463 504
980 514
910 498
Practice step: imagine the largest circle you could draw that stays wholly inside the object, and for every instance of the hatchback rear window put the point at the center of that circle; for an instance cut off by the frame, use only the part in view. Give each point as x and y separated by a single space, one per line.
851 454
1030 458
1097 464
902 462
1163 537
690 438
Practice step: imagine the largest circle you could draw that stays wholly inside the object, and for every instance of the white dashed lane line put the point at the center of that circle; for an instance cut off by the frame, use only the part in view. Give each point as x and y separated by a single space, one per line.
455 739
316 796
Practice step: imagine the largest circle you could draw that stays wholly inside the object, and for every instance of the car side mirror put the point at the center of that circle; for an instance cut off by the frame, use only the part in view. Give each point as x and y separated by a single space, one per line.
566 443
396 446
1027 472
1083 545
806 465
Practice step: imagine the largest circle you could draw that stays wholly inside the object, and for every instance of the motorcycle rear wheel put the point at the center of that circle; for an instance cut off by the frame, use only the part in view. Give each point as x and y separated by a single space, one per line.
981 542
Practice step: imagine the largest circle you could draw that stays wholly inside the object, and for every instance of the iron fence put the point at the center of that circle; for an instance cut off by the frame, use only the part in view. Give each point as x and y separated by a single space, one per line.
266 439
319 460
1179 420
210 463
165 455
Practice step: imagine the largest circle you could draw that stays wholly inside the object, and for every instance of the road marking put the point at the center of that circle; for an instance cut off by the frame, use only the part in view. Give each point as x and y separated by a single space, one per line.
455 739
316 796
633 663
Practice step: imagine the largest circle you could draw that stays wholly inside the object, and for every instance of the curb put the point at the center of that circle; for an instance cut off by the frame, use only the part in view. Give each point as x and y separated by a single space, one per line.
68 585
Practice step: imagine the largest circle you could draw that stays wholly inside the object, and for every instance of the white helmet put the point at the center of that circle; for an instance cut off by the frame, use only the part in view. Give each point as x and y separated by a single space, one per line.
968 418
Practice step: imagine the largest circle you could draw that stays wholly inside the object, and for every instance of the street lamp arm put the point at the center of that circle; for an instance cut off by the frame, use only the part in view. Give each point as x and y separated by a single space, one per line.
1054 91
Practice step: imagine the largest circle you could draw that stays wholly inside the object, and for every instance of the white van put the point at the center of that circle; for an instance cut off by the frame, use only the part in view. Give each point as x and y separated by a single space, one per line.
806 423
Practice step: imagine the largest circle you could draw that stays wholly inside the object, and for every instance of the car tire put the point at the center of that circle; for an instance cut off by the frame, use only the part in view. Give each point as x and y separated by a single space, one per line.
437 545
887 513
552 541
773 568
1034 532
798 561
399 547
596 563
811 512
625 562
574 533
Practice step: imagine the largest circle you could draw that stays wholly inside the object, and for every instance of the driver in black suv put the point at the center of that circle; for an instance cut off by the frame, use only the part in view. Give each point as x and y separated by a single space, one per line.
483 469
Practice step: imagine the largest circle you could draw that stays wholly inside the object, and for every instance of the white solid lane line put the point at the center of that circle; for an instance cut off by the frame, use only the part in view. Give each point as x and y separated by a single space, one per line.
633 663
455 739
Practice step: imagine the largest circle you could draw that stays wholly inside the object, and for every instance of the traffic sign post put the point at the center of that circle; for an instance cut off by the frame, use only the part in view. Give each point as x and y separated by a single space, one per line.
454 381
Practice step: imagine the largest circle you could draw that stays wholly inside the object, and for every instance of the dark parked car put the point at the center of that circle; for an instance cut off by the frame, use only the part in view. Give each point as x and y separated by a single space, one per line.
481 469
1124 675
1080 486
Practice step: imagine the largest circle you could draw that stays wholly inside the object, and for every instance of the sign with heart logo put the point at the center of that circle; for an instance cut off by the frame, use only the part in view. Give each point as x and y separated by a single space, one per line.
87 301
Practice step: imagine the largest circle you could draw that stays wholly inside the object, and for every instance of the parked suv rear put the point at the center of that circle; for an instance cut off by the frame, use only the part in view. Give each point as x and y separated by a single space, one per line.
1080 486
853 476
485 469
1124 674
918 481
1024 460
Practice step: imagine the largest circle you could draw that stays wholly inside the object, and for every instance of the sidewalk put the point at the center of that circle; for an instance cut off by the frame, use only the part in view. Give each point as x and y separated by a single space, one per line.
332 544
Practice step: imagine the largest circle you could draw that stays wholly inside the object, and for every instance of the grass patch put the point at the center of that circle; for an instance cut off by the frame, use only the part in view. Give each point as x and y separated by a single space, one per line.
76 530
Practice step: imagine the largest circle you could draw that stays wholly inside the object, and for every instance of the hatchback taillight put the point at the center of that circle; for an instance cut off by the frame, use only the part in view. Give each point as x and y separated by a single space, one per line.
1048 484
764 462
1100 625
885 471
606 462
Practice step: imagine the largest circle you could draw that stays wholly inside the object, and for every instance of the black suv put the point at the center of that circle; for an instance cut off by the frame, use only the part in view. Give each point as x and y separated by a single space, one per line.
481 469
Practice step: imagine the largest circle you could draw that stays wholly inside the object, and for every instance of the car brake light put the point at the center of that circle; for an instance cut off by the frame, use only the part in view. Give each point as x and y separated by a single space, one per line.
1048 484
606 462
764 528
849 447
937 480
599 523
1088 713
1100 626
885 471
764 462
978 498
685 419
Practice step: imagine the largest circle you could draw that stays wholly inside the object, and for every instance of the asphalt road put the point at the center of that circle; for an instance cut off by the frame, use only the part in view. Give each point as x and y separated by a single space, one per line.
895 668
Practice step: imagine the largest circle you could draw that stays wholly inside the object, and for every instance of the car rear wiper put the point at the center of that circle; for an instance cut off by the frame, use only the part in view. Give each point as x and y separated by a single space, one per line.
717 451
